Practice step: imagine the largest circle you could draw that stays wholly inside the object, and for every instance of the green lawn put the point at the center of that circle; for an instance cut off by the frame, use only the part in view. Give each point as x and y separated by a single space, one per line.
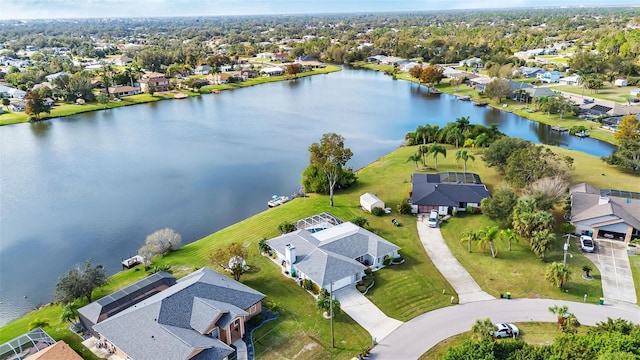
635 270
402 291
608 92
535 333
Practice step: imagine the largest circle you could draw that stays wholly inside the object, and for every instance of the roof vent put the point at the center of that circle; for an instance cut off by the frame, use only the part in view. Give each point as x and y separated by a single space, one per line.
603 200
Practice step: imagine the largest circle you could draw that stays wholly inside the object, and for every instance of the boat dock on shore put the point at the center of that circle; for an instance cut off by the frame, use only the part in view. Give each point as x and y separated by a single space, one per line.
479 103
558 129
132 261
464 97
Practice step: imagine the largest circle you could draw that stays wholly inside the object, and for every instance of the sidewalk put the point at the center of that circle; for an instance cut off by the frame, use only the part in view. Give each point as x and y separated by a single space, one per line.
467 288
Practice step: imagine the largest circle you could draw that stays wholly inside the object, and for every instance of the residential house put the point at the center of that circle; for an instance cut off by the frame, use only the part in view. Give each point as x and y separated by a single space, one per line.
11 92
570 80
606 214
410 65
56 75
473 62
226 68
221 78
446 191
202 70
199 317
123 60
533 92
392 60
272 71
120 91
249 74
17 106
157 80
331 254
280 56
549 76
37 345
528 72
480 82
48 102
376 58
264 55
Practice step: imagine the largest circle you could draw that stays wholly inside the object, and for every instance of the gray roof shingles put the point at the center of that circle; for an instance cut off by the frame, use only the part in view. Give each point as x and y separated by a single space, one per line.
428 190
161 327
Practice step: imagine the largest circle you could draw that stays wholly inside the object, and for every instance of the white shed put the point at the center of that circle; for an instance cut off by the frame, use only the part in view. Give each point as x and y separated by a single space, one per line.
621 82
369 201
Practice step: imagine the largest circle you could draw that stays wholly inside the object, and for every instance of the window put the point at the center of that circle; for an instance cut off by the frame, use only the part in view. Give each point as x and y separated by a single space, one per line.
215 333
236 324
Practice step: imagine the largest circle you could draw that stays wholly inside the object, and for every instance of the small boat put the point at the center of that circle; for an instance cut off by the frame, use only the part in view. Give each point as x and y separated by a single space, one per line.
464 97
582 134
277 200
559 129
479 103
434 91
181 96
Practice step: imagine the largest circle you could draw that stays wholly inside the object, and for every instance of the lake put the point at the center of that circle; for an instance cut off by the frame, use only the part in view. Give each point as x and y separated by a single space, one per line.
94 185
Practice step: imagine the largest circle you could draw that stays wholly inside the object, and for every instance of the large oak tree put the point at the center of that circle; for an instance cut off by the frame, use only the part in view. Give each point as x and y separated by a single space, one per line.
330 155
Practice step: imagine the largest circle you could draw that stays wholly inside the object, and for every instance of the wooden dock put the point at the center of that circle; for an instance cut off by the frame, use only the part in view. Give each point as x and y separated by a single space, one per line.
464 97
479 103
559 129
132 261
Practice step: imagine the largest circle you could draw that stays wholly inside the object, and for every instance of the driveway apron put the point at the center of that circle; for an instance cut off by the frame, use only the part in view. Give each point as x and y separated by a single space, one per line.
612 261
467 288
365 313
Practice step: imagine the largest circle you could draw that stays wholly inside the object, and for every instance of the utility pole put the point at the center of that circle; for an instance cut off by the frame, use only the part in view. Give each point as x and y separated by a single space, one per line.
566 249
333 341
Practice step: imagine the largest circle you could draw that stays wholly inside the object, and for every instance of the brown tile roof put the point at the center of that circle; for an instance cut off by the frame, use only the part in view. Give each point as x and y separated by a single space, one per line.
57 351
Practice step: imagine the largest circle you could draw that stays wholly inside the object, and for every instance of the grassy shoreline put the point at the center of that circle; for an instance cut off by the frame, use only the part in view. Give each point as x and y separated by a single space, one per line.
403 292
66 109
515 107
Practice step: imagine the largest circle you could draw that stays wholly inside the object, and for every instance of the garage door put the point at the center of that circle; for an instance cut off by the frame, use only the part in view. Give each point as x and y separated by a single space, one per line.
342 283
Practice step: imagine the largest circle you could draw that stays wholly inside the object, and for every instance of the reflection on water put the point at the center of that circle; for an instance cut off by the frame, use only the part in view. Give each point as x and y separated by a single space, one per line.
95 185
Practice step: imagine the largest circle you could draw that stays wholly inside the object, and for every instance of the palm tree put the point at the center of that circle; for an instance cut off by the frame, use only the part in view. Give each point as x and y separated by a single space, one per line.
557 274
423 150
421 132
416 157
324 303
69 313
587 271
436 149
559 312
567 321
463 124
509 235
483 329
464 155
432 132
541 242
487 236
454 135
469 237
410 138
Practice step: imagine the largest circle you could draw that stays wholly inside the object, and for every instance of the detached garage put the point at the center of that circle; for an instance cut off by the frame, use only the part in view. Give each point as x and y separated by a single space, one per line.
369 201
621 82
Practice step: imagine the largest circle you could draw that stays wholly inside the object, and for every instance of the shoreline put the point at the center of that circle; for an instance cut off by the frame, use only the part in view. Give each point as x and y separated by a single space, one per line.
516 108
65 109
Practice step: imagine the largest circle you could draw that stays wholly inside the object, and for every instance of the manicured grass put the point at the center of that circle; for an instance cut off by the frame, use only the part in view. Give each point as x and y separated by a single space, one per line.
401 291
608 92
535 333
635 270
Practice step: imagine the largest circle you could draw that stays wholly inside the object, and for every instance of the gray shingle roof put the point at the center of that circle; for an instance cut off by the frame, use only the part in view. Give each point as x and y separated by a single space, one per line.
161 326
329 255
585 207
428 190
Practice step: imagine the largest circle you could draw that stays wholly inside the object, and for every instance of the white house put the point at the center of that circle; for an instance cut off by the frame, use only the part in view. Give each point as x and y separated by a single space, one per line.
337 255
202 70
472 62
570 80
549 77
123 60
620 82
369 201
272 71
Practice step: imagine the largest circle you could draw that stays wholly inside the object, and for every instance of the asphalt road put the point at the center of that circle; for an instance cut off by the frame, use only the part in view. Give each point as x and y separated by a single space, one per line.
414 338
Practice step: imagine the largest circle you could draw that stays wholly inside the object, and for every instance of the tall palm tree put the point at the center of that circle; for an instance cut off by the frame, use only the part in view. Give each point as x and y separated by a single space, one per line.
483 329
421 132
487 236
437 149
463 124
482 140
469 237
541 242
559 312
415 158
464 155
454 135
509 235
432 132
423 150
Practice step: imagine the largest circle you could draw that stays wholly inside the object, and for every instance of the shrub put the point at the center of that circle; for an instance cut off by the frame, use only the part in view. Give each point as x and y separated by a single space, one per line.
387 260
377 211
308 284
471 209
287 227
360 221
361 288
404 207
368 271
315 288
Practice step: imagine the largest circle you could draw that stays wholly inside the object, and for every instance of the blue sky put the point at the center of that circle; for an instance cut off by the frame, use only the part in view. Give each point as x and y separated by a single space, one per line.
39 9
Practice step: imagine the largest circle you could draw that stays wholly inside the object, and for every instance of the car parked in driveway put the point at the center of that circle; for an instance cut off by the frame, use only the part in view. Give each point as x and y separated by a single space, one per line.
587 244
504 330
433 219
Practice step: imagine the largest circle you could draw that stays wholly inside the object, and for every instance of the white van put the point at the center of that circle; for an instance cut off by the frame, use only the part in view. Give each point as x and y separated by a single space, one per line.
433 219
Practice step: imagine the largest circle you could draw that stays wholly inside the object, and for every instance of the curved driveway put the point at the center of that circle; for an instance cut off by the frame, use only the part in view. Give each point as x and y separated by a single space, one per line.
414 338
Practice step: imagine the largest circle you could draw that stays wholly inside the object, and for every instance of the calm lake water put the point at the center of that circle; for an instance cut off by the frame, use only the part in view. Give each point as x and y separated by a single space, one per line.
95 185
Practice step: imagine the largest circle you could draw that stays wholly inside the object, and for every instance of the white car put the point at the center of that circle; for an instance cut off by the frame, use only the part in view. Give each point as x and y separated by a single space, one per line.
504 330
433 219
587 244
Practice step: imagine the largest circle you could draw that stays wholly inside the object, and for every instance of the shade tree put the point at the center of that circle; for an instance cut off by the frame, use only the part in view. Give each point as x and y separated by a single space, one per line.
330 156
80 282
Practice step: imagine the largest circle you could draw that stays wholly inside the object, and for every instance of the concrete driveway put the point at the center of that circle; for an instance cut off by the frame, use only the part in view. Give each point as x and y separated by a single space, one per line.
420 334
467 288
365 313
612 261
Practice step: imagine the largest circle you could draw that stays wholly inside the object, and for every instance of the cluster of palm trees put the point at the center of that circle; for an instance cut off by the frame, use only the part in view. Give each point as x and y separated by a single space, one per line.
488 236
459 133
